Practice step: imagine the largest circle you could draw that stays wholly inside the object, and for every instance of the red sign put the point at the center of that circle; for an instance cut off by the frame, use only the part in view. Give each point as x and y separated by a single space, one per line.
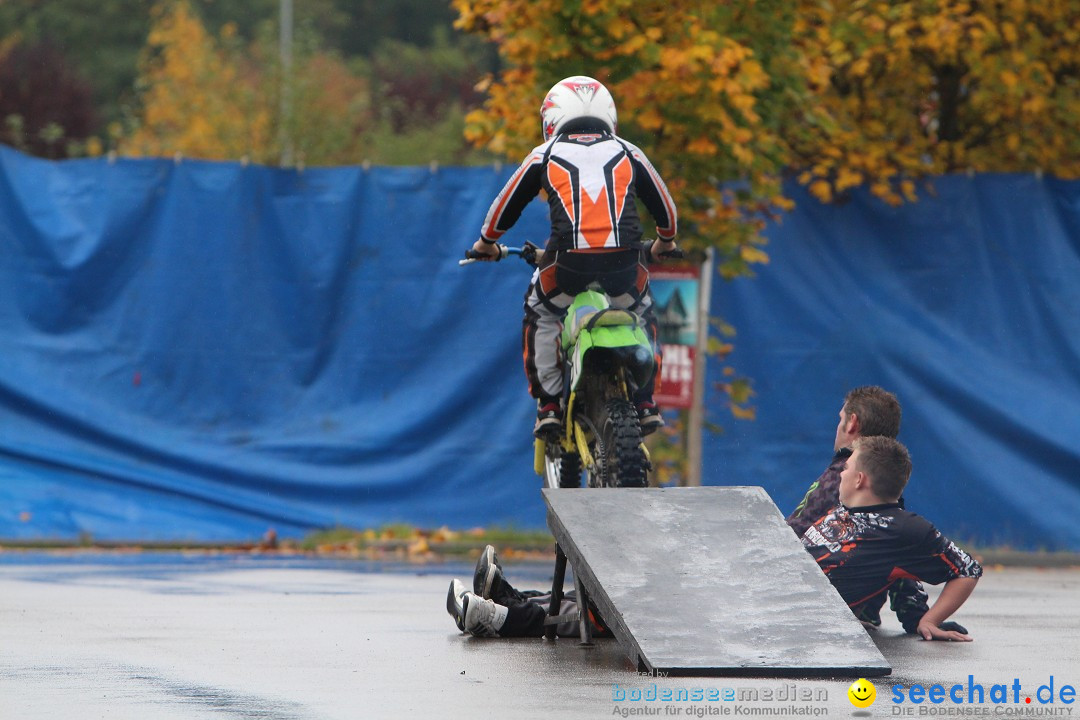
676 386
675 304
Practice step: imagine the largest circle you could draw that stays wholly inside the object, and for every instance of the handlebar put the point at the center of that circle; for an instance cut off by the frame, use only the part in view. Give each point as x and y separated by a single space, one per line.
532 254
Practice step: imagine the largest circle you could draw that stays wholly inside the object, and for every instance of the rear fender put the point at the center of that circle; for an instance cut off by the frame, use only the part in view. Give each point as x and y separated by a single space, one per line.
611 337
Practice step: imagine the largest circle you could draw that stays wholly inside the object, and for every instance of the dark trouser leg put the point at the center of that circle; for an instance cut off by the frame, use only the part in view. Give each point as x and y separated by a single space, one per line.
909 601
526 619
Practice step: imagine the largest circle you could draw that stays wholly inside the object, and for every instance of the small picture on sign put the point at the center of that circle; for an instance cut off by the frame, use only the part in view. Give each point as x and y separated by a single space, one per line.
676 311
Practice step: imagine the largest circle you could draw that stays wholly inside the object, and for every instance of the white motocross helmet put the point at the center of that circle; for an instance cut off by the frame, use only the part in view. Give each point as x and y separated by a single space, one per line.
574 98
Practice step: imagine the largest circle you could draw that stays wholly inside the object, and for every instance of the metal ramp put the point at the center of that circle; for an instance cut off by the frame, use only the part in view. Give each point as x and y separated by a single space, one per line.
707 581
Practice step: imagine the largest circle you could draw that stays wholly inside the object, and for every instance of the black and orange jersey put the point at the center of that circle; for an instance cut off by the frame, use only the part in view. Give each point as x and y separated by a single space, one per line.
822 495
592 180
864 550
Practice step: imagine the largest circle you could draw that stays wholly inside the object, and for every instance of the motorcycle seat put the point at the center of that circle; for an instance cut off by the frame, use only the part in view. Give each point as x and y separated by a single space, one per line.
587 318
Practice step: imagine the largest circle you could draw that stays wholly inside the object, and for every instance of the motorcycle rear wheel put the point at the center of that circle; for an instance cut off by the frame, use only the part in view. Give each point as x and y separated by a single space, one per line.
620 459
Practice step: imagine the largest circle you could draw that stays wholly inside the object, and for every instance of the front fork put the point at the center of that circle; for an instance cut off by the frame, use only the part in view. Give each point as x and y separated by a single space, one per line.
574 438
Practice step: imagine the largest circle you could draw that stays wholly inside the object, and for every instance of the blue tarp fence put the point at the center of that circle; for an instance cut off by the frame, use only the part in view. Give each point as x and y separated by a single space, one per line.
203 351
966 304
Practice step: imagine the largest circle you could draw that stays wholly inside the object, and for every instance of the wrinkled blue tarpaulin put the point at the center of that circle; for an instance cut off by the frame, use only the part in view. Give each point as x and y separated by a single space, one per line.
967 305
204 351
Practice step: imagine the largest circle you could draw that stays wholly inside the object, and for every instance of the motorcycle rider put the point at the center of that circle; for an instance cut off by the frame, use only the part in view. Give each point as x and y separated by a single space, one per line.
592 178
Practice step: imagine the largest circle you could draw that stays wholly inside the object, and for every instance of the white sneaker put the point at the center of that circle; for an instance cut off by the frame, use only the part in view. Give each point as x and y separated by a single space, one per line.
453 603
483 618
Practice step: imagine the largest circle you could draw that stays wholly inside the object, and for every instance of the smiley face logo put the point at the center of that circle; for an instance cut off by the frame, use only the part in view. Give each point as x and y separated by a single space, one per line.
862 693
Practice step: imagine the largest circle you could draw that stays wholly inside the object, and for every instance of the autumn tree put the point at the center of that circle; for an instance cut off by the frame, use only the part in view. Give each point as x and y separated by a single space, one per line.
220 98
905 90
195 99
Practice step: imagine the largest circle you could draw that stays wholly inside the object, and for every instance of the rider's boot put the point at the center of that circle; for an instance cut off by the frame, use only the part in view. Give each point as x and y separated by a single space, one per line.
649 417
548 418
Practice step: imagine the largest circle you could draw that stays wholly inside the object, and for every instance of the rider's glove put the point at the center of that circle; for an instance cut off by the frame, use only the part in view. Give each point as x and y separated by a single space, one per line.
488 252
660 246
528 253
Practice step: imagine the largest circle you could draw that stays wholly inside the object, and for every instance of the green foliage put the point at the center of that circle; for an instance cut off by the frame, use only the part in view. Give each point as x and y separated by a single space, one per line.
419 100
358 68
100 38
440 140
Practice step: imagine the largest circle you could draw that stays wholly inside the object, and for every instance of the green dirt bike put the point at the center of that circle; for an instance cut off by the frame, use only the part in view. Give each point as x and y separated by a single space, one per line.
607 357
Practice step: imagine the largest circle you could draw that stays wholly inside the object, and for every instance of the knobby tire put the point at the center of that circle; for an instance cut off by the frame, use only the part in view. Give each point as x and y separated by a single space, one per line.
563 468
623 461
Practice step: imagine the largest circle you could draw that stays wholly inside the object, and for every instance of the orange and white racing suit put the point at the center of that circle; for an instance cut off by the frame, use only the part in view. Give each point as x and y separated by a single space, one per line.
592 181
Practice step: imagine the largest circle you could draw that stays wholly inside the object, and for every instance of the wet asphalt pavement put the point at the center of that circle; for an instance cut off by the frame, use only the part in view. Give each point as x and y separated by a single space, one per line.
151 636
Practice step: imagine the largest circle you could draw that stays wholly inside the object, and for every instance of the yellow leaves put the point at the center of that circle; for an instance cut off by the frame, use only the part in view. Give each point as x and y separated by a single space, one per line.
1008 33
934 87
188 106
740 392
754 254
1034 105
783 204
468 16
702 146
213 98
703 53
848 178
743 413
650 119
717 348
860 68
822 190
633 45
742 154
744 103
674 58
907 188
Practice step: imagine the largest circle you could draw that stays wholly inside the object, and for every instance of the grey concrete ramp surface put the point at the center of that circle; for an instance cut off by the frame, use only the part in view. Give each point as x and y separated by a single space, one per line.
708 581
